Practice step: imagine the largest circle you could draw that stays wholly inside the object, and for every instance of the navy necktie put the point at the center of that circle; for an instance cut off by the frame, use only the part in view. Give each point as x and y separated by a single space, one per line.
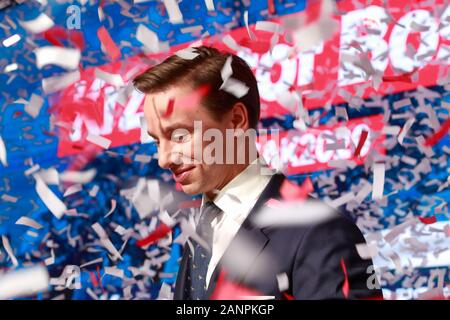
199 260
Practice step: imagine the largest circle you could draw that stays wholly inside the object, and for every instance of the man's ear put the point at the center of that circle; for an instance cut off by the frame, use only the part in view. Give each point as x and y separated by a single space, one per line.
239 116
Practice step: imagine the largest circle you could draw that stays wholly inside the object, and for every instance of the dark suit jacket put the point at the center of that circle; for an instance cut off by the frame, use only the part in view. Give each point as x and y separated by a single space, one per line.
309 255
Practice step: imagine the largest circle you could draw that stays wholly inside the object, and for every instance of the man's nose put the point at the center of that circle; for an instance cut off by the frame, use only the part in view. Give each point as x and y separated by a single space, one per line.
164 156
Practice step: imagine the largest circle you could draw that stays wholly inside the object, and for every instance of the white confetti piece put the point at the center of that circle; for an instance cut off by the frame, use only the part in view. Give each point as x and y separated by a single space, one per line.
363 192
405 130
57 83
23 282
50 260
8 42
73 189
173 11
49 176
11 67
110 78
391 130
3 153
165 293
149 39
269 26
105 240
187 54
67 58
99 140
34 106
26 221
210 5
114 271
367 251
235 87
345 198
53 203
113 207
283 282
378 181
40 24
98 260
82 177
9 250
8 198
231 43
250 33
294 213
308 36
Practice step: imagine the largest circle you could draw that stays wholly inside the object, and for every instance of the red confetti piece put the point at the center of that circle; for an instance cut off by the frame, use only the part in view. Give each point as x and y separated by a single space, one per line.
291 191
288 296
433 139
169 109
362 140
108 43
227 290
160 232
345 286
405 77
56 34
271 6
428 220
93 278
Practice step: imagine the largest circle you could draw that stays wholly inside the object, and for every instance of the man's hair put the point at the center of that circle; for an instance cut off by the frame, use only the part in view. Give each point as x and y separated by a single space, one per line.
204 69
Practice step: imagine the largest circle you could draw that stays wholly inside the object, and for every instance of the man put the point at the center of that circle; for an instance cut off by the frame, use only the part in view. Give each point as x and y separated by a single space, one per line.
219 91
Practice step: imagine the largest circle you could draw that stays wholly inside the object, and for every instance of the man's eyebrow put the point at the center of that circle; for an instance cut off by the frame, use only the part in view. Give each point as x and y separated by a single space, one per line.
171 128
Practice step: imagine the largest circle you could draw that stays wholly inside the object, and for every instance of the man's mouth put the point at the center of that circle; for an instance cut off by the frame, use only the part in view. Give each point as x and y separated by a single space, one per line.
182 174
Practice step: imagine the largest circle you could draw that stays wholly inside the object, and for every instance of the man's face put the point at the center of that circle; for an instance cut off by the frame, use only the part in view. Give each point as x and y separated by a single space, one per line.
173 130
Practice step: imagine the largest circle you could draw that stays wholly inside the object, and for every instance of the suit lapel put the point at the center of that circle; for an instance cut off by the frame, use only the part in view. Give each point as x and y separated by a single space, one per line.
249 233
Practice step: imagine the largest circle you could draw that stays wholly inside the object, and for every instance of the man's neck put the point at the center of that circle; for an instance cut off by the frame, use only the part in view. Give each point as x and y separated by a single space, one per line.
233 173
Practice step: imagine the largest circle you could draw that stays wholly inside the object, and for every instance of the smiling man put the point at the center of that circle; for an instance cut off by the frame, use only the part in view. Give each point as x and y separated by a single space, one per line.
190 104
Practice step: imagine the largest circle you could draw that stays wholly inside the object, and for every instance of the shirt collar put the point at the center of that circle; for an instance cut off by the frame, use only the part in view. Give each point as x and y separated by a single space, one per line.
241 193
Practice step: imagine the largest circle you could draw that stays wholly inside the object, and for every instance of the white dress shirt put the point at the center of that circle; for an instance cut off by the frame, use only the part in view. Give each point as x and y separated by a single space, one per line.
236 200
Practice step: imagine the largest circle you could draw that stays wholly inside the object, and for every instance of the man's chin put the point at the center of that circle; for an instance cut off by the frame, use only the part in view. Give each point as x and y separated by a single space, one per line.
190 189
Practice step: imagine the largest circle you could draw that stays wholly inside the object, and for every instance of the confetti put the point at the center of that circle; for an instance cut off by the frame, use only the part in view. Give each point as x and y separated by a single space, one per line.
378 181
113 207
8 42
82 177
9 250
24 282
34 106
433 139
150 40
26 221
367 251
405 130
188 53
40 24
345 286
173 11
57 83
108 43
209 5
98 140
112 79
106 242
3 159
362 140
11 67
294 213
53 203
67 58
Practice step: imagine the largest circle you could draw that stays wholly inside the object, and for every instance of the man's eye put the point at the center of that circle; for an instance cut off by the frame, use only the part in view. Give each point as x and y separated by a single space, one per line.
180 138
